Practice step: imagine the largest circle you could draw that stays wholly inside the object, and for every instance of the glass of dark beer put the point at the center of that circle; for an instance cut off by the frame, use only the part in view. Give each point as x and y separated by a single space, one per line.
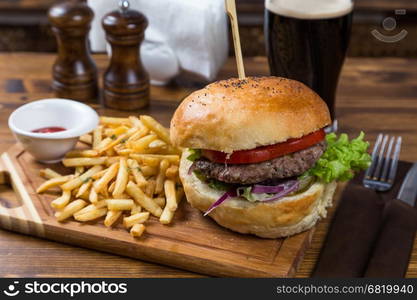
306 40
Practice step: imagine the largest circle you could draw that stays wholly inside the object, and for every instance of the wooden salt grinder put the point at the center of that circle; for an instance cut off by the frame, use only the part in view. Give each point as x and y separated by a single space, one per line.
74 72
126 82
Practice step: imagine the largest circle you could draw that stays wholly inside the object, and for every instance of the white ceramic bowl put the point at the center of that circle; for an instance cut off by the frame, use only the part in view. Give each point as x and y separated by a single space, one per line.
75 117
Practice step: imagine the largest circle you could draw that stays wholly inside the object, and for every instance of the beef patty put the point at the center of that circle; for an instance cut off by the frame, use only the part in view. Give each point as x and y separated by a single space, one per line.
289 165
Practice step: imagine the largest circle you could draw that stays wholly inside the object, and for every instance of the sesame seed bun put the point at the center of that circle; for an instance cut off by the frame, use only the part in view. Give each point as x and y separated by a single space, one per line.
240 114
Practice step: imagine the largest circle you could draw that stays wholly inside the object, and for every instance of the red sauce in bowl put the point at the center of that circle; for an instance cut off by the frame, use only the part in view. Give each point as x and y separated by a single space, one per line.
51 129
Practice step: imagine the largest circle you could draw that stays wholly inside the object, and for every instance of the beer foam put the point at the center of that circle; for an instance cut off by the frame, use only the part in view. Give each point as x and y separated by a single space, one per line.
310 9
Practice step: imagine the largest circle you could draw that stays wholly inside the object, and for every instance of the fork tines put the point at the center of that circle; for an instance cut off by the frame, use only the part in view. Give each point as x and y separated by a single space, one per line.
381 173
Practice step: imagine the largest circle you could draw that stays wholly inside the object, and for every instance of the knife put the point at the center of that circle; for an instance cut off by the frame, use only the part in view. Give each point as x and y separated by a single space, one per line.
397 231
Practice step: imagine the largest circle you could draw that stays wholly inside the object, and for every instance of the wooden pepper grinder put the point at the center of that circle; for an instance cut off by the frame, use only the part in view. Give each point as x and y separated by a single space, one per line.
126 82
74 71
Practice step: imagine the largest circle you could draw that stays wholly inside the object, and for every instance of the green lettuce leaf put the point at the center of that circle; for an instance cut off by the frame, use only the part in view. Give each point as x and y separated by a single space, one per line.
341 159
195 154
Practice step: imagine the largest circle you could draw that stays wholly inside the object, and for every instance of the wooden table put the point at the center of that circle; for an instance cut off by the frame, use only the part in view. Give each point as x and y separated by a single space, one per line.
375 95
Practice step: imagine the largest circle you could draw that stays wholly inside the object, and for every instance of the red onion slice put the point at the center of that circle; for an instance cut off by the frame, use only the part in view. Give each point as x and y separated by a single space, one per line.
223 198
287 189
191 169
272 189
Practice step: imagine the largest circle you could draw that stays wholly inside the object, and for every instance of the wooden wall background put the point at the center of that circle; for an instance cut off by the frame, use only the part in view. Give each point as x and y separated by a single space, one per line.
24 27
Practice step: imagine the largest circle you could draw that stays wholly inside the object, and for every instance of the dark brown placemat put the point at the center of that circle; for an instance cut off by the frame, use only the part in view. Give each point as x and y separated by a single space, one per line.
354 228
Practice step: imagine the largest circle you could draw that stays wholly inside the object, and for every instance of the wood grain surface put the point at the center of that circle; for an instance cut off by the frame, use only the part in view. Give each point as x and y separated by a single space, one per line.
375 95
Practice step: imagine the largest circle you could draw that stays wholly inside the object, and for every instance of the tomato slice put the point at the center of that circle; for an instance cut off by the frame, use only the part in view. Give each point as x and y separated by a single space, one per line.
264 153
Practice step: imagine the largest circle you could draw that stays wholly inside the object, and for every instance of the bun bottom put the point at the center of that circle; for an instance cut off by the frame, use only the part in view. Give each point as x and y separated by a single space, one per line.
282 218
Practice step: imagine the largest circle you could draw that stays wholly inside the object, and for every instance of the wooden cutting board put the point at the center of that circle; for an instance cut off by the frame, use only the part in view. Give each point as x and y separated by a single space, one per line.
192 242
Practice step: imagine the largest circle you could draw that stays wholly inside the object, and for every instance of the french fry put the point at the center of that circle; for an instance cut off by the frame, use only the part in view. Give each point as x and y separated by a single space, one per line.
119 147
135 219
108 132
86 139
114 121
152 124
172 158
171 195
105 192
84 187
171 202
97 136
56 181
125 196
135 209
142 143
112 160
91 215
78 181
111 217
143 200
109 147
62 201
124 152
120 130
136 172
113 132
75 191
160 201
172 172
88 208
149 160
137 230
84 161
93 197
150 187
149 171
104 143
137 135
79 170
106 178
121 179
49 174
110 152
166 216
100 174
163 166
70 209
120 204
135 122
81 153
156 144
118 139
111 187
85 195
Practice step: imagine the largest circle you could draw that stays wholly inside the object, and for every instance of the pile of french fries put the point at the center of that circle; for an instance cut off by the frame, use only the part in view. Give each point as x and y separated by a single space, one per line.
129 171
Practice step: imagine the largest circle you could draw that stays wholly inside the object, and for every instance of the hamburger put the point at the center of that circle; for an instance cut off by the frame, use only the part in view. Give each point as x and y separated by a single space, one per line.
257 159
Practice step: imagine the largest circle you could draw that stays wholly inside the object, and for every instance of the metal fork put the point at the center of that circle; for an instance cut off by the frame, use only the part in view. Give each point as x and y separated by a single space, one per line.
381 173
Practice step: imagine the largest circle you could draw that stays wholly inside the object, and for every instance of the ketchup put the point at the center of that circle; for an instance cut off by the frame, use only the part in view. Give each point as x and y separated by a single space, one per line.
51 129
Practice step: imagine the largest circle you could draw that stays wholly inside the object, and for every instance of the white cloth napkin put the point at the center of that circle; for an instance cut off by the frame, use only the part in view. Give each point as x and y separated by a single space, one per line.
182 35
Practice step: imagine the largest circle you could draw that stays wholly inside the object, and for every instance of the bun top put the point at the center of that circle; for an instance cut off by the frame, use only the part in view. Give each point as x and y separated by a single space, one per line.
240 114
